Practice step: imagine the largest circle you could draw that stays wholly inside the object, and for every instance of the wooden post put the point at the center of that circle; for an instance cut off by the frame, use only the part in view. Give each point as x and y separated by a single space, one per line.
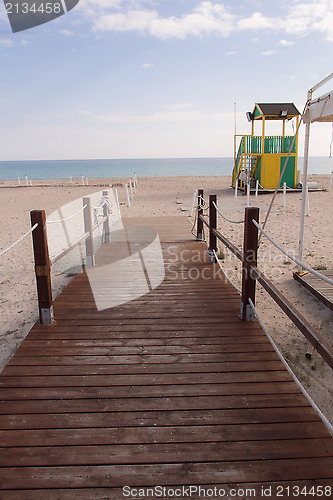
236 188
212 225
249 258
330 183
42 267
90 256
106 225
200 212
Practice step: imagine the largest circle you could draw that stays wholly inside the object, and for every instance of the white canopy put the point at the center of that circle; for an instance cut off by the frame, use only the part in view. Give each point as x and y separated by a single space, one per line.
320 109
317 110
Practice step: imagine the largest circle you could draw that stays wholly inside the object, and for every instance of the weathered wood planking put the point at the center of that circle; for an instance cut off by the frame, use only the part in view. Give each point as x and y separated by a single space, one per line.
320 289
169 389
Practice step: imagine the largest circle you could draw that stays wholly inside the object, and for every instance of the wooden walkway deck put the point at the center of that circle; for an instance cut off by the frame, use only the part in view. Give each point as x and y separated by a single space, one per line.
168 390
320 289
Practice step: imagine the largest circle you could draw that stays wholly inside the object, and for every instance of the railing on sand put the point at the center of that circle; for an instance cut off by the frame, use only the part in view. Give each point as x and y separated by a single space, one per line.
43 262
250 272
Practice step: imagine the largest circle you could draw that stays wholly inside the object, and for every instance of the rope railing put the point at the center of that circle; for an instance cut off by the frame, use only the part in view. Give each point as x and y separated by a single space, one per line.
226 218
69 248
202 203
252 275
261 323
2 252
66 218
225 274
292 257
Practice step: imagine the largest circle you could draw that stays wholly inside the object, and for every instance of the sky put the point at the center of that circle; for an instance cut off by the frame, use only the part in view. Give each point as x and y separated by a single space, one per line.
158 78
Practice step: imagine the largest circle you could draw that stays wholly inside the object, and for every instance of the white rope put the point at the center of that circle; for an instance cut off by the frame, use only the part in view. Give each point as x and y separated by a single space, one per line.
19 240
202 203
226 276
66 218
226 218
291 257
322 416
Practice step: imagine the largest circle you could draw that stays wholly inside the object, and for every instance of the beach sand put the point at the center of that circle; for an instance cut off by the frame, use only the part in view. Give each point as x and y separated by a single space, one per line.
164 197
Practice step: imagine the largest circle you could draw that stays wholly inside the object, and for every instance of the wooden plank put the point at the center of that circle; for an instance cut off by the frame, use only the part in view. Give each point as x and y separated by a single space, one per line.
155 379
40 371
169 389
162 474
193 434
267 387
136 342
146 359
317 287
140 350
254 490
81 414
167 453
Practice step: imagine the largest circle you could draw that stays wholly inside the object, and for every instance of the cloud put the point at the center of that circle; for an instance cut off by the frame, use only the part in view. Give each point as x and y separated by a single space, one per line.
67 32
207 18
286 43
267 53
6 42
256 22
148 65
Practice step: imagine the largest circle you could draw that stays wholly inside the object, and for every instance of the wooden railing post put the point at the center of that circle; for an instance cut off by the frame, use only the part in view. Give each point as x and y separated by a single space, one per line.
212 225
200 212
90 256
42 267
106 225
249 258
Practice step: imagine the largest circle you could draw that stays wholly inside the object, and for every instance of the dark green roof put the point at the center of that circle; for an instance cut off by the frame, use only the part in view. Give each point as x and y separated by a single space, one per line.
274 109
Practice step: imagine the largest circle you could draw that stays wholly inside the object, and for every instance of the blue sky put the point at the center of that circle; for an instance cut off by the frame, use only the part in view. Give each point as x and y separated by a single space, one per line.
148 78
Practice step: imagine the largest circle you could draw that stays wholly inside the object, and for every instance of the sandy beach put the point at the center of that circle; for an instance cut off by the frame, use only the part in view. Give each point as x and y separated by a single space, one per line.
164 197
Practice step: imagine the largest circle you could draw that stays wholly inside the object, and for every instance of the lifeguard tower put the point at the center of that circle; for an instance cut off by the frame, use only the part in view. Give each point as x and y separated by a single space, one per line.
262 157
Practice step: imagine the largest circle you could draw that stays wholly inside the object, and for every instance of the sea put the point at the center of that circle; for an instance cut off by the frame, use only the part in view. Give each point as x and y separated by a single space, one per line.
152 167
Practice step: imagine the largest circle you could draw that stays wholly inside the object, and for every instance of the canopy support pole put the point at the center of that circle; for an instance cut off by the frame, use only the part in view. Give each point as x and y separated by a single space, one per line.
304 186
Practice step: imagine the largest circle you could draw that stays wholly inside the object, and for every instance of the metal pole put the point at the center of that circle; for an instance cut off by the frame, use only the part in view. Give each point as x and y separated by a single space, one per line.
307 202
236 188
284 194
90 256
127 194
304 185
106 225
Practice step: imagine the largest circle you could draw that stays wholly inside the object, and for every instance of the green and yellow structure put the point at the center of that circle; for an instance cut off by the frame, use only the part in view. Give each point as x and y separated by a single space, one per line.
263 156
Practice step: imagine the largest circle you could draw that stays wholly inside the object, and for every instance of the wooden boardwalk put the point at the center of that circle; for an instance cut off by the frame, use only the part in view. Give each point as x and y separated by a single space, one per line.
168 390
320 289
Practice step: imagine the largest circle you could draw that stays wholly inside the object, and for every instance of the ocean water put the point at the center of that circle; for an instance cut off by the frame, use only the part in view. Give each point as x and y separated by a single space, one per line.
159 167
